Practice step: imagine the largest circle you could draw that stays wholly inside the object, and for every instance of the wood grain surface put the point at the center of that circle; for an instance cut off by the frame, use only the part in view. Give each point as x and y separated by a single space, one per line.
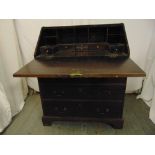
84 68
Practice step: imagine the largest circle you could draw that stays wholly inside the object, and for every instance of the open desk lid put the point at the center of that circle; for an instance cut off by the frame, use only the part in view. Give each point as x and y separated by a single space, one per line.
94 51
80 68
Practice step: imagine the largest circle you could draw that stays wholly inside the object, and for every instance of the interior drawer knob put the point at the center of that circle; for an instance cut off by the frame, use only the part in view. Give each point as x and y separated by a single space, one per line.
64 109
54 92
62 92
107 109
79 105
109 92
80 90
98 109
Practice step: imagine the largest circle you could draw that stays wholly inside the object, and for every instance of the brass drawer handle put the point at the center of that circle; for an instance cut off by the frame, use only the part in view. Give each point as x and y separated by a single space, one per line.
99 111
80 90
97 46
102 113
58 93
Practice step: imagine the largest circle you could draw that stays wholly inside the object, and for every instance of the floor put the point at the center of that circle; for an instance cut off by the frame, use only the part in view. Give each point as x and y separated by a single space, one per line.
28 121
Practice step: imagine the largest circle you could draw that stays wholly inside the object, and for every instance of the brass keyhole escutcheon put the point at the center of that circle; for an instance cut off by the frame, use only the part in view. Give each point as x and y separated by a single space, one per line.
76 74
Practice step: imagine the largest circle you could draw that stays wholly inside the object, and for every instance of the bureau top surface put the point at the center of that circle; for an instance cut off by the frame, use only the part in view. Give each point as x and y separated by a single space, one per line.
84 68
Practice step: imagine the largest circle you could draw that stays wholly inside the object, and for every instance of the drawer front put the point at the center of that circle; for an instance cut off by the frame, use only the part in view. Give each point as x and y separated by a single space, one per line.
68 81
100 91
103 109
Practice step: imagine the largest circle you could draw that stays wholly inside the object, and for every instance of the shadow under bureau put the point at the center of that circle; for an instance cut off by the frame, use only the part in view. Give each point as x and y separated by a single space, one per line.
82 73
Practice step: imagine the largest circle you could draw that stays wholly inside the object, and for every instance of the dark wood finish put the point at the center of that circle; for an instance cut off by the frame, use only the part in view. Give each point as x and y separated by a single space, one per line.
116 123
108 40
82 72
83 98
66 68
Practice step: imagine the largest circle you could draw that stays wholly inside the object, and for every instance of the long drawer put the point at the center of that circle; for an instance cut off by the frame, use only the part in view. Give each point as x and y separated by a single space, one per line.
103 109
76 88
55 81
91 91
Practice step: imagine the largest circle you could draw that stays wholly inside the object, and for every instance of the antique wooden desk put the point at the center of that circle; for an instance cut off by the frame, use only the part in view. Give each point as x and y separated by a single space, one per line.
82 73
